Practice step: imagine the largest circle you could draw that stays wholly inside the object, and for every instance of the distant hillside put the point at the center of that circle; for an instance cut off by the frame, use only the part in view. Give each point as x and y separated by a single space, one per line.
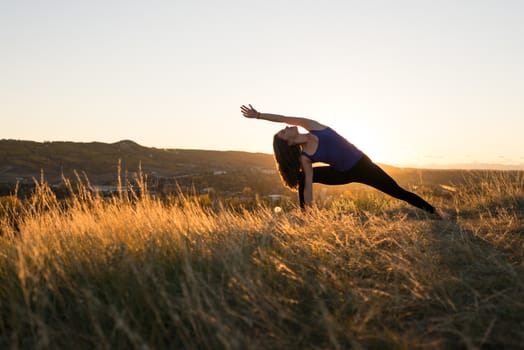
24 160
476 166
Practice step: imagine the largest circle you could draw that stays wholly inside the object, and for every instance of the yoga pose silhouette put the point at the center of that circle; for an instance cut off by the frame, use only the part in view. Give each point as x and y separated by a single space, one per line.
295 154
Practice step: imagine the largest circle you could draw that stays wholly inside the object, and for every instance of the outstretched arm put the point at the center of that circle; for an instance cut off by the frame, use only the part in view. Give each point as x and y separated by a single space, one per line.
308 124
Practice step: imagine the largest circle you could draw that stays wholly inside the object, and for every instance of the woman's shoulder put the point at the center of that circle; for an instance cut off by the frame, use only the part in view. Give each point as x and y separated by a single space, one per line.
319 128
316 126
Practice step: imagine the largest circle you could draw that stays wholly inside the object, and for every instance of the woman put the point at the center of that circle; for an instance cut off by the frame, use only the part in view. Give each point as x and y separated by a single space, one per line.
295 154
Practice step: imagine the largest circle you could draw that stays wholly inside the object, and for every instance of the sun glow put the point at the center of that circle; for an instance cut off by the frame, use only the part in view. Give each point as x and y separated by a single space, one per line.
371 141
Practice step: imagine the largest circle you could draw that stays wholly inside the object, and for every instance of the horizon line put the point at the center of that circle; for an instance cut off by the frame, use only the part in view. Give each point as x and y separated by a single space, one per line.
473 165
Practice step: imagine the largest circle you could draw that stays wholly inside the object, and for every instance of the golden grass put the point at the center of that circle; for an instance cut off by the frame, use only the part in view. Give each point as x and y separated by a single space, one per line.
136 272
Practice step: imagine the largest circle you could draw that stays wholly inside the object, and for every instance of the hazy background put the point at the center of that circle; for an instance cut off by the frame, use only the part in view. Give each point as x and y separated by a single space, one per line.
409 82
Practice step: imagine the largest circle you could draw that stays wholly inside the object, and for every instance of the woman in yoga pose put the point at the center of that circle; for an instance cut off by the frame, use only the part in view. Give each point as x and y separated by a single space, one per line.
295 154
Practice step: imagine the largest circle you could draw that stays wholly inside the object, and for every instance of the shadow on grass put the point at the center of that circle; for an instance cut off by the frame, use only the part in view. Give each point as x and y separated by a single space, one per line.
480 297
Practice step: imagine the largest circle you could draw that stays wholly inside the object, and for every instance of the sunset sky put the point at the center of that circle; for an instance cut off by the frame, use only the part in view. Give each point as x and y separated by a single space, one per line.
408 82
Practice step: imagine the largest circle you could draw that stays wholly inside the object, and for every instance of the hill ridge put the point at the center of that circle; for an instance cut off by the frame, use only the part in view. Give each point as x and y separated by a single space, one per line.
21 159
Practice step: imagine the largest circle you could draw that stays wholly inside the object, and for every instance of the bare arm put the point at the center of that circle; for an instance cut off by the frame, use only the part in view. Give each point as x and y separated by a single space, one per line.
307 168
308 124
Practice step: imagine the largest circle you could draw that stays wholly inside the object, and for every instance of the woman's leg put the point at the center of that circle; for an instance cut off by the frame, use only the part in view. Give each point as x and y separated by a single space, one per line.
367 172
326 175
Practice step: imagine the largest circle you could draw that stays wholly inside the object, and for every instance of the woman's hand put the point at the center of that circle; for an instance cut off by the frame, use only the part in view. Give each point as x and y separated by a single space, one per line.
250 112
308 124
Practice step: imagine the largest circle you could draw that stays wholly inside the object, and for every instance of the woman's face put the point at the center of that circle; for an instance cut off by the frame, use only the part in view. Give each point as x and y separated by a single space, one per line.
288 134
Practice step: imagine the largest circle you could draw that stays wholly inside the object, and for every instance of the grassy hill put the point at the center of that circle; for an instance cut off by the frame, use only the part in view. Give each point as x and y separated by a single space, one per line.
361 272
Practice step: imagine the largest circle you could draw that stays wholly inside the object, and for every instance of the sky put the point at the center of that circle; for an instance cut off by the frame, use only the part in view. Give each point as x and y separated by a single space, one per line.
411 83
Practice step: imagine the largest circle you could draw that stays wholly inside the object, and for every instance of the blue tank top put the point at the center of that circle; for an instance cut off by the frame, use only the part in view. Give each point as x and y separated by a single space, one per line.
334 150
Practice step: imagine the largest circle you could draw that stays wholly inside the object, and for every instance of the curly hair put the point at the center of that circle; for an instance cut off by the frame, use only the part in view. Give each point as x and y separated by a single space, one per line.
288 162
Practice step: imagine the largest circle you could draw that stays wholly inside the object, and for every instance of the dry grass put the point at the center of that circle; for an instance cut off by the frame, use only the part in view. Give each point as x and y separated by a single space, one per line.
134 272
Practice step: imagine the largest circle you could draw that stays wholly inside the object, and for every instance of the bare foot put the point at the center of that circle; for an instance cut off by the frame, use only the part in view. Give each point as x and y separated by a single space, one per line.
442 214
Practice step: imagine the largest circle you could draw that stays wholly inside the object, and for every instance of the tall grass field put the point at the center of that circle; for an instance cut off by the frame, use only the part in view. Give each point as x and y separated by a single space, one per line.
136 272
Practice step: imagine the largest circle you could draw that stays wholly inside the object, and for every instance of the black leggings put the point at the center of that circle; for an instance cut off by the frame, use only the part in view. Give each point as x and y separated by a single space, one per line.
366 172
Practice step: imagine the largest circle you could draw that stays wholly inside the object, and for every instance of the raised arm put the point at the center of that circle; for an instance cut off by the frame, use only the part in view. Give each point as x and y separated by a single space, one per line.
308 124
